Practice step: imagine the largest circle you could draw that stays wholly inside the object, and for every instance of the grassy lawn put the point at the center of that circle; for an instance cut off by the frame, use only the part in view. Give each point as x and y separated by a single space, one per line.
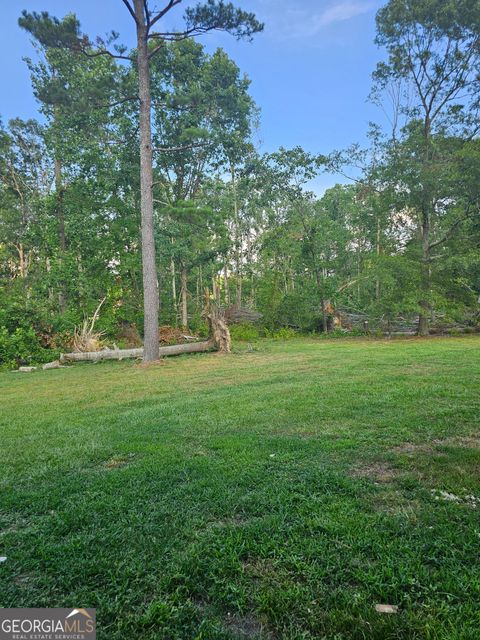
277 493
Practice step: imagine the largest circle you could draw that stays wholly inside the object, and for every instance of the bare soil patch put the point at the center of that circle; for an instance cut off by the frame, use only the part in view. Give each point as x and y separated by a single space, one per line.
468 442
247 626
380 472
119 461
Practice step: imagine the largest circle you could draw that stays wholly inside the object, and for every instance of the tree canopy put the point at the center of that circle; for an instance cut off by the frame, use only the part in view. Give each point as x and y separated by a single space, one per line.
395 246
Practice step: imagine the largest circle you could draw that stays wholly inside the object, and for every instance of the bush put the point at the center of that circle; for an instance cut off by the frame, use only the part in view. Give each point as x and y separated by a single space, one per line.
198 325
454 331
285 333
22 347
352 333
244 332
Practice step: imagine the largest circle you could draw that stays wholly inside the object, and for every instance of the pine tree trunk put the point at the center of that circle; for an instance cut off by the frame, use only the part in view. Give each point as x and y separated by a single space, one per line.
216 290
62 239
238 241
377 279
323 304
197 296
225 282
324 314
423 328
174 290
21 260
184 293
150 284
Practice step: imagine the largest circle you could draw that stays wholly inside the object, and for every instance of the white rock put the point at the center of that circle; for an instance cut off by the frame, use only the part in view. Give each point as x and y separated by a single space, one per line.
449 496
386 608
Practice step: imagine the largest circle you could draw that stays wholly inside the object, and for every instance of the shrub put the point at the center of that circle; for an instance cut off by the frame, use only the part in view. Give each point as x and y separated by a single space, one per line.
285 333
198 325
22 347
352 333
454 331
244 332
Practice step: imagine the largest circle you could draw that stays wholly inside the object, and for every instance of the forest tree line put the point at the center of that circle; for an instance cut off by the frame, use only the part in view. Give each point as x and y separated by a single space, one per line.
399 239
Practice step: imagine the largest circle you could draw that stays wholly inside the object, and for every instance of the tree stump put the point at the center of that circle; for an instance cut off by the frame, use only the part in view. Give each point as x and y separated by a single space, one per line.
219 333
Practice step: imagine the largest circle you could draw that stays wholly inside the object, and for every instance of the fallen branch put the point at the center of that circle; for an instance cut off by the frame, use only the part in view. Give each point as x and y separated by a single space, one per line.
120 354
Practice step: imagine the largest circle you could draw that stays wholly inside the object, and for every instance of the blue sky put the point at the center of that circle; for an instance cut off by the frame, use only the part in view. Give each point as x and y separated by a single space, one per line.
310 69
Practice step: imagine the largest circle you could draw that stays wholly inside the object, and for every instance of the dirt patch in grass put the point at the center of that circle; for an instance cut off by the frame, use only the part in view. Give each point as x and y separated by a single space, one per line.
247 626
380 472
12 525
257 569
25 580
119 461
467 442
395 503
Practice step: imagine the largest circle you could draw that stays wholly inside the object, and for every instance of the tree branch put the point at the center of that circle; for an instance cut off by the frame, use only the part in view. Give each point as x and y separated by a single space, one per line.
185 147
165 10
105 52
179 35
449 233
117 102
130 9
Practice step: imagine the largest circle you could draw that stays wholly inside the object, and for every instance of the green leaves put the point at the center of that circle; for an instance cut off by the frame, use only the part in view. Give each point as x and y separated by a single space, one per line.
216 14
434 45
51 31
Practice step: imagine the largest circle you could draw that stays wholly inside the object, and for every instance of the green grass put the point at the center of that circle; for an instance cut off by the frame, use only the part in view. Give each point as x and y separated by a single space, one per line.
276 493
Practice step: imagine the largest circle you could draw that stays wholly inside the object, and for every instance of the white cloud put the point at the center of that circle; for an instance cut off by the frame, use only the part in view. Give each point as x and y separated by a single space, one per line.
343 11
309 23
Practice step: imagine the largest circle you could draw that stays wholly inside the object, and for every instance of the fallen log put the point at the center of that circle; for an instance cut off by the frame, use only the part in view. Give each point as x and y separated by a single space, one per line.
120 354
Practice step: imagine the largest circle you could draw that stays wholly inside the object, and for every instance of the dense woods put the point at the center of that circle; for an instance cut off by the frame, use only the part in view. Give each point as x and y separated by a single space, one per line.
395 245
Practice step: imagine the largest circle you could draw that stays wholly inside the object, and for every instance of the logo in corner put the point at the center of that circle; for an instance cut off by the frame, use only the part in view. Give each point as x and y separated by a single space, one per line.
48 624
84 612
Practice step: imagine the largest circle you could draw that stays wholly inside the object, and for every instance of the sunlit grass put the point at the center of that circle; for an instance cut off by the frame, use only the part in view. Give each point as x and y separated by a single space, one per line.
280 492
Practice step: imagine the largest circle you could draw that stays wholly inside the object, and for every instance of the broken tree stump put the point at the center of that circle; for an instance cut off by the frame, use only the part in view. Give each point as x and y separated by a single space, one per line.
218 329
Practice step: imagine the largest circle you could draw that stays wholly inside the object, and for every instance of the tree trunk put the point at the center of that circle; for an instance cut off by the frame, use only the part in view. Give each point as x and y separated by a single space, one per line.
218 328
358 275
425 276
239 291
120 354
225 284
321 289
174 290
377 279
150 283
197 296
425 238
22 266
62 239
184 293
238 242
216 289
324 316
